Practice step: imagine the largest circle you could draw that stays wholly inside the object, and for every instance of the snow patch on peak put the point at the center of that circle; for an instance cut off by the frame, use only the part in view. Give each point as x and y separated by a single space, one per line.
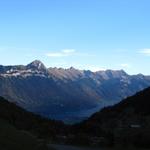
37 64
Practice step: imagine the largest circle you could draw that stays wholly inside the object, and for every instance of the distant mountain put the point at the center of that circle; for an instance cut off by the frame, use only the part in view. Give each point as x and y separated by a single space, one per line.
124 124
66 93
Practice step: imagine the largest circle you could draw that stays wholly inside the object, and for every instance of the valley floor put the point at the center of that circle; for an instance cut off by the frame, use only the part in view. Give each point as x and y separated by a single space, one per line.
69 147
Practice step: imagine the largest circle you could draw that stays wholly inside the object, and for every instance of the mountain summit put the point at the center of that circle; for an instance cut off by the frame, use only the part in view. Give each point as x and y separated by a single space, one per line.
37 64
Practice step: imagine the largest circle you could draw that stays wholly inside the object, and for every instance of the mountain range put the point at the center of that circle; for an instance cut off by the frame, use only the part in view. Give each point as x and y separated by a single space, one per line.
66 94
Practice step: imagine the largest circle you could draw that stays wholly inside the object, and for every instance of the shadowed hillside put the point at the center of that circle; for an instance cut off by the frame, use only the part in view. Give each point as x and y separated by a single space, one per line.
23 120
13 139
125 124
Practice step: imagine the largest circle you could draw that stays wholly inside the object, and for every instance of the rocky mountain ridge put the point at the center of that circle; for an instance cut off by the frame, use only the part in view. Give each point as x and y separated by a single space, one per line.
66 93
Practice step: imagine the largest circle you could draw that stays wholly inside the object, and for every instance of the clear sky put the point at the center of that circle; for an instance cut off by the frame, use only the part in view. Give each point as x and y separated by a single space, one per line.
86 34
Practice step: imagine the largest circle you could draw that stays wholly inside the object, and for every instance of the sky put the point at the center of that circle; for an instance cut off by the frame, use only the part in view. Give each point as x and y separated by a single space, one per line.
86 34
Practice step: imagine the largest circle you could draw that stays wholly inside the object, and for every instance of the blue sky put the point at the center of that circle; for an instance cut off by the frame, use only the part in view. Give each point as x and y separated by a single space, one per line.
86 34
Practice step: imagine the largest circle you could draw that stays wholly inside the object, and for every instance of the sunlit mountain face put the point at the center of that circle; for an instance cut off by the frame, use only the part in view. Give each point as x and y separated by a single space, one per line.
66 94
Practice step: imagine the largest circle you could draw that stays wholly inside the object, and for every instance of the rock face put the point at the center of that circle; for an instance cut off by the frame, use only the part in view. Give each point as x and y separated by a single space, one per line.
66 93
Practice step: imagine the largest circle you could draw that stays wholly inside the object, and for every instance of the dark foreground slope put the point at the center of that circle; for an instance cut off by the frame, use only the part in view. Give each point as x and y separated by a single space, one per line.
25 120
13 139
125 124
